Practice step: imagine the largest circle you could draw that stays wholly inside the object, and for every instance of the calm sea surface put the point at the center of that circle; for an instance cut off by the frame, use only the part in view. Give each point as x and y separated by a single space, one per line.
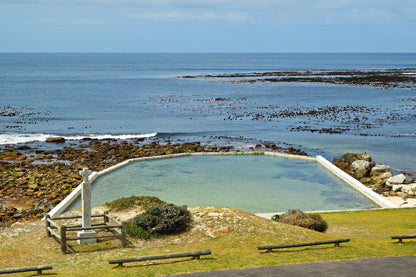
77 95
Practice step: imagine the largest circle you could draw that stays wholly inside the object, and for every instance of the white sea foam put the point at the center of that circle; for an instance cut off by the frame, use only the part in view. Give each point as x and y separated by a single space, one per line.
15 138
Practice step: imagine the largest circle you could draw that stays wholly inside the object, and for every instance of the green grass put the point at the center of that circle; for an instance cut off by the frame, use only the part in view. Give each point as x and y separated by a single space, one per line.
146 202
369 232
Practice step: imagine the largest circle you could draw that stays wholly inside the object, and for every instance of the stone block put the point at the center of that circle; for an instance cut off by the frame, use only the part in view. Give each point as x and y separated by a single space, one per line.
86 234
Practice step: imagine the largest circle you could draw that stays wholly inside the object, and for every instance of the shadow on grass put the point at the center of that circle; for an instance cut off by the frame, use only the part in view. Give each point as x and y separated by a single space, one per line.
45 274
96 247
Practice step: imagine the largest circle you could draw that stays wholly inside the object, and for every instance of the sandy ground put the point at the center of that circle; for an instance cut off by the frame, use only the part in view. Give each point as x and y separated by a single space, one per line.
400 202
396 200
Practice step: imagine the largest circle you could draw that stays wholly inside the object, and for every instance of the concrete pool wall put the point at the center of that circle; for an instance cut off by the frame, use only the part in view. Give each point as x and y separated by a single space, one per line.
379 200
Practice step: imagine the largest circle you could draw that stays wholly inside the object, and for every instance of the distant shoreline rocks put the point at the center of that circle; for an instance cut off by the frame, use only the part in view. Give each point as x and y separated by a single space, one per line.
55 139
378 177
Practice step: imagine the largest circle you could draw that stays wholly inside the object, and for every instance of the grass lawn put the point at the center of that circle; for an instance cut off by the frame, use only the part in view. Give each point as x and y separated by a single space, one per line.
26 244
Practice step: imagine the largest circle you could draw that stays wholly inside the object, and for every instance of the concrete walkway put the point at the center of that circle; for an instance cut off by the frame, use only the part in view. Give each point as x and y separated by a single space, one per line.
379 267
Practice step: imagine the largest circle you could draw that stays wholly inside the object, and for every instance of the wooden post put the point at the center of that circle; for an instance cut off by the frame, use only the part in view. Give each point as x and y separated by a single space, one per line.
124 234
48 225
63 238
105 217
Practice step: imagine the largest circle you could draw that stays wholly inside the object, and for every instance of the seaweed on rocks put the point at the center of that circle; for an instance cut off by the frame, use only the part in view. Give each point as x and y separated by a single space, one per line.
35 180
384 78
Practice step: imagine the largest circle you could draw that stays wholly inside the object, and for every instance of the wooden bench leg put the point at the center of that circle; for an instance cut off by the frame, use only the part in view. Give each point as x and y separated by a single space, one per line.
336 244
400 240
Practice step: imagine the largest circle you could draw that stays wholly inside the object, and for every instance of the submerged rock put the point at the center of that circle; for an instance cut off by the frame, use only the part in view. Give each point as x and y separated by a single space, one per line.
56 139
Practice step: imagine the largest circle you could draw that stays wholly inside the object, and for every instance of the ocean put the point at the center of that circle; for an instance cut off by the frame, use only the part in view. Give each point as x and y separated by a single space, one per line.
143 95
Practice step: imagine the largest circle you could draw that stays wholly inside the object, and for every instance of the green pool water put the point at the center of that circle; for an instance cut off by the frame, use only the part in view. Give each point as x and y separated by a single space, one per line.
253 183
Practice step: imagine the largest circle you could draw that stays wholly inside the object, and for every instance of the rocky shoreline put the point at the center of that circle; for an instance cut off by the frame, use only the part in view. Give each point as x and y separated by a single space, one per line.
33 181
378 177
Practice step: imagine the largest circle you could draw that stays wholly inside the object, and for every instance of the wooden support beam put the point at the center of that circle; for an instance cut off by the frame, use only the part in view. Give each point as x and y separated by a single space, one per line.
26 269
195 255
402 237
290 245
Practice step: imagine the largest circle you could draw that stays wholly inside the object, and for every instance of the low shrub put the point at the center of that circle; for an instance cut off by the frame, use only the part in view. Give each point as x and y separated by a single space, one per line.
135 231
127 202
296 217
164 219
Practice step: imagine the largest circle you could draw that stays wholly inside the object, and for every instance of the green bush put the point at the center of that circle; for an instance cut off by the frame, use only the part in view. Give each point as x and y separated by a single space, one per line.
276 217
135 231
297 217
164 219
127 202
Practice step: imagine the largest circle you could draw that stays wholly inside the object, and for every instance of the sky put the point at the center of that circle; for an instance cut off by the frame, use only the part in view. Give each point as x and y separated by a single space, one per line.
208 26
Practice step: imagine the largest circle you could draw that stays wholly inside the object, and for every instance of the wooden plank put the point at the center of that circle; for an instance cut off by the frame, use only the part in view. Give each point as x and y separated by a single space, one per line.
114 220
95 237
93 227
195 254
70 228
75 216
52 223
402 237
25 269
52 231
290 245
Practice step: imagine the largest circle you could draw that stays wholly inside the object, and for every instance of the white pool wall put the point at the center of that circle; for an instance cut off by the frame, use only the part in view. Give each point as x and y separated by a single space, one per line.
379 200
373 196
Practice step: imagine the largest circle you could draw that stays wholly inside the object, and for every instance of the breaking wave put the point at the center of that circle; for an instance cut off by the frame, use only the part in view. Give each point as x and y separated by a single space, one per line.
17 138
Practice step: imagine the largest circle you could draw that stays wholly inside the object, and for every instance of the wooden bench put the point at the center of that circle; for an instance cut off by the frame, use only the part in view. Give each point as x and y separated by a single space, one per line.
269 248
400 238
195 255
25 269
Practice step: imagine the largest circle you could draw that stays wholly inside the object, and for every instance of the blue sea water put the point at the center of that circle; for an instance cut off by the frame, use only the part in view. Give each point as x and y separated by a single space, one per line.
77 95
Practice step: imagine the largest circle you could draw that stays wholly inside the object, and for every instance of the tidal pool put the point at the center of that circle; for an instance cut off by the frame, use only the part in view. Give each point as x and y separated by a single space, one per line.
254 183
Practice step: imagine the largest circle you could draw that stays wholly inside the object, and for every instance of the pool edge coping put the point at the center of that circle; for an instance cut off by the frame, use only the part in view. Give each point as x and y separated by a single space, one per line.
379 200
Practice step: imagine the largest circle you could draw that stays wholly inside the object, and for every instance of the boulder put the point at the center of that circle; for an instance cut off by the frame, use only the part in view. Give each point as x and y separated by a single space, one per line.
406 189
364 156
379 169
399 188
385 175
401 194
56 139
396 180
360 168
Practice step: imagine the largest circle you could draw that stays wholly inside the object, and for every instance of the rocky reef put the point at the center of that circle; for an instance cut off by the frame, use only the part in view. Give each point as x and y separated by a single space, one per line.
378 177
33 181
380 78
